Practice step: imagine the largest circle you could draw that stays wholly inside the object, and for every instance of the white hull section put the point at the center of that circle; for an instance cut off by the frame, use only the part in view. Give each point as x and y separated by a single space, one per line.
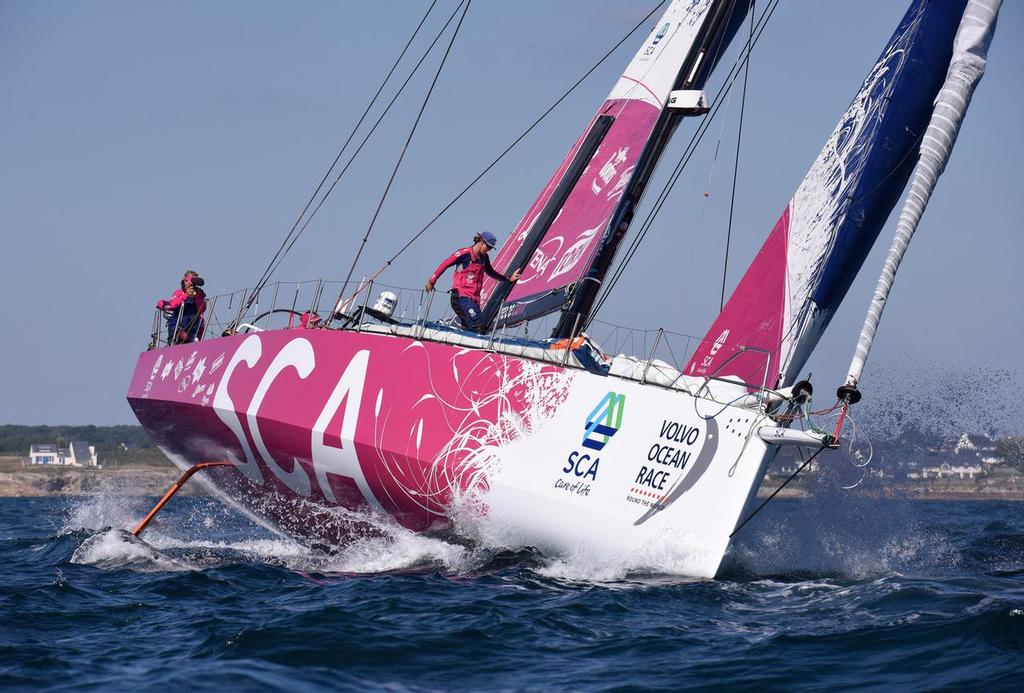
674 476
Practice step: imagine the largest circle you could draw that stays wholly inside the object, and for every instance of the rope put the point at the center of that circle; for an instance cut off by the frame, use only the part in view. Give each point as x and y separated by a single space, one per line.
366 138
684 158
776 491
686 155
699 227
736 166
405 148
282 250
511 146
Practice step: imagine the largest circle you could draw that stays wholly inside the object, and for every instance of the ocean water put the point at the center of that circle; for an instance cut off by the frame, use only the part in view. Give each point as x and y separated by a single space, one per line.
826 593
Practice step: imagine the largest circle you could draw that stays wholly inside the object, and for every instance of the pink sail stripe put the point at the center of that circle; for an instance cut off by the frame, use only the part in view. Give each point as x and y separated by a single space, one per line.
754 318
570 244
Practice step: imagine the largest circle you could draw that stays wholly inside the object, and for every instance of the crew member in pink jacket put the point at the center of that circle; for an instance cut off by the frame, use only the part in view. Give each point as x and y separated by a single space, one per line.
185 310
471 263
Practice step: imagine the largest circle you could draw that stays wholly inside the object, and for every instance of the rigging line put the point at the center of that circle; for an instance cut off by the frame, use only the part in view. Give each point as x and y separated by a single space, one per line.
663 195
516 141
699 228
718 47
267 272
736 166
405 148
714 53
684 158
776 491
366 138
526 132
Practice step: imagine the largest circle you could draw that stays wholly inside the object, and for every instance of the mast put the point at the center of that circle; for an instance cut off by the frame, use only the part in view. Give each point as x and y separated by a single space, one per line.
970 52
692 74
567 237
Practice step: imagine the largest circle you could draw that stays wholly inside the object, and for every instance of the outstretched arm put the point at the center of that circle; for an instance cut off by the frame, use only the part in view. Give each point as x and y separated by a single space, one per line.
177 298
495 274
448 262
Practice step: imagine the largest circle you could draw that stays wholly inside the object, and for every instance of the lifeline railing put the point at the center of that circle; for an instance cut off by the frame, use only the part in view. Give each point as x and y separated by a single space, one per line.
663 354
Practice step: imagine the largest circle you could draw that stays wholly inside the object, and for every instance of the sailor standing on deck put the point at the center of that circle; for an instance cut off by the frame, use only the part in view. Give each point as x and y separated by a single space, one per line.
184 311
471 263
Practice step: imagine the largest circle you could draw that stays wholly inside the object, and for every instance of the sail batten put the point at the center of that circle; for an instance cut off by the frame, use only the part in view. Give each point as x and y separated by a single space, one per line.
542 223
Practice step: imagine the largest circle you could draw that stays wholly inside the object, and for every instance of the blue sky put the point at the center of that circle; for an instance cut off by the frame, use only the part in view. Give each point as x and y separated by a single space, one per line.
139 139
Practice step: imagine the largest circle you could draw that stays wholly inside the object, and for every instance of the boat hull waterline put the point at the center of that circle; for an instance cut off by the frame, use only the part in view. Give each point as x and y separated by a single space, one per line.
557 458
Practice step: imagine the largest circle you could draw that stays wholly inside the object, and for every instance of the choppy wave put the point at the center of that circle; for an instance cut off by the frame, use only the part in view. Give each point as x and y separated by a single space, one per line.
825 593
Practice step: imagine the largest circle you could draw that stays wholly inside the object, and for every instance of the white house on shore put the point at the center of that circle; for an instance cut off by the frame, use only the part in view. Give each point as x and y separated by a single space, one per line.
946 469
78 454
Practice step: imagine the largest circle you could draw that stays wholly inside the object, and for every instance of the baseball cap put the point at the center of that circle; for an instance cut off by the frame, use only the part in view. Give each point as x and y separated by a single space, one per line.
489 238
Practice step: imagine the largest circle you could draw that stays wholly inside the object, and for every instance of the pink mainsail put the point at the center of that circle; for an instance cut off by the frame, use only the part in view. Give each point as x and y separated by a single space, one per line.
788 295
572 240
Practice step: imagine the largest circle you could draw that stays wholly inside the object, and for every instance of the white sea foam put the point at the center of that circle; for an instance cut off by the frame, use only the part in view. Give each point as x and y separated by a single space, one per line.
188 541
102 511
670 555
116 549
864 544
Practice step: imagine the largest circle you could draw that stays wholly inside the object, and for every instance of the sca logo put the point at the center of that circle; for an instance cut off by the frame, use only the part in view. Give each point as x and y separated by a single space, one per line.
661 34
657 39
602 423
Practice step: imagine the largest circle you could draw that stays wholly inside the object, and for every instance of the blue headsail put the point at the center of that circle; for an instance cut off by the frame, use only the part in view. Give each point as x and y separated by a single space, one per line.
796 282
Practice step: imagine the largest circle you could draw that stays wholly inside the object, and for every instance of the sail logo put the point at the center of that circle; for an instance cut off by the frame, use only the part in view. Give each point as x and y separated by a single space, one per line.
574 253
604 421
544 256
661 34
705 363
720 342
607 172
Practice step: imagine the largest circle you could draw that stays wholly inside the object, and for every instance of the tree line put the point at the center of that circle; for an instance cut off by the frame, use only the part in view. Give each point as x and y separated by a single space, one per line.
109 440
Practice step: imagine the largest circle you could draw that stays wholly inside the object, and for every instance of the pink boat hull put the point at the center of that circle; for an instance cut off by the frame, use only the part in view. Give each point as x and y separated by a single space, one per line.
557 457
284 404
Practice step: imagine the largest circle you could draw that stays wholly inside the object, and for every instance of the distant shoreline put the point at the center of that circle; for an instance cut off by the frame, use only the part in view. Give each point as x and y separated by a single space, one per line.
904 493
86 481
155 480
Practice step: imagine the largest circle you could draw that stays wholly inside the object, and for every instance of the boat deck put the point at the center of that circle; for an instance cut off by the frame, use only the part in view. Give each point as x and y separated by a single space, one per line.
297 305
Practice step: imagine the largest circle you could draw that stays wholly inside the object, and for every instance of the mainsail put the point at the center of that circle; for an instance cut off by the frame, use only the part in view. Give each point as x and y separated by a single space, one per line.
587 204
796 282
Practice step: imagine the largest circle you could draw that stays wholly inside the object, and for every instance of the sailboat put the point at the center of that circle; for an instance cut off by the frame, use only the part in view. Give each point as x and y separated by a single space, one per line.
564 446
